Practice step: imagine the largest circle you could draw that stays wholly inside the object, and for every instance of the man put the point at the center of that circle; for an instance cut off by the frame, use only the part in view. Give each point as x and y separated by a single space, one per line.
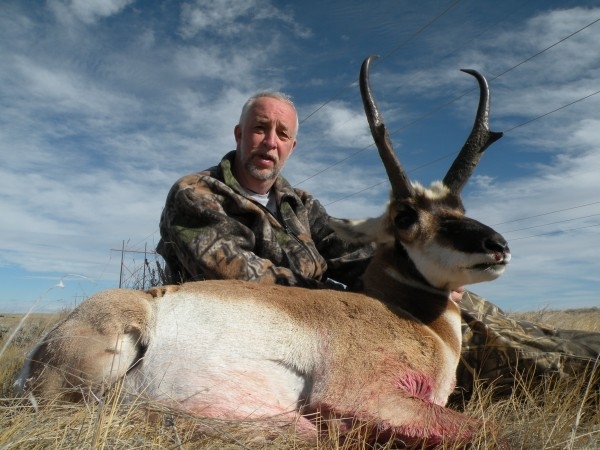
242 220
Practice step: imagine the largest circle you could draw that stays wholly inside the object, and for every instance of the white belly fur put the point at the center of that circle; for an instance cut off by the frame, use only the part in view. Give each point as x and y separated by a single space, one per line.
207 357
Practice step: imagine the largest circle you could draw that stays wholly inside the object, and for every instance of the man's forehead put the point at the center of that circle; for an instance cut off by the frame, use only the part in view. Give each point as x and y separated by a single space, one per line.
274 110
264 118
266 105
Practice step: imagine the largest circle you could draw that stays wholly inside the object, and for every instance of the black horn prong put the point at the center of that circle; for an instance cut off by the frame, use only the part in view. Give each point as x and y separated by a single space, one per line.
401 186
478 141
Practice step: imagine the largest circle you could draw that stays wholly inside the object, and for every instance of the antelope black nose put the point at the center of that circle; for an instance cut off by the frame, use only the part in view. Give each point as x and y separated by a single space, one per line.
497 244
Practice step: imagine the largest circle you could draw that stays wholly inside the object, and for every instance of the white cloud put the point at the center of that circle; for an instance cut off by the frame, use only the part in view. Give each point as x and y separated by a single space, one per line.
344 127
233 18
88 11
59 90
215 16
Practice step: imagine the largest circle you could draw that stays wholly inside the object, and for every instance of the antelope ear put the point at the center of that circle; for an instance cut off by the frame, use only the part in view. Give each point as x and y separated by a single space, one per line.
357 231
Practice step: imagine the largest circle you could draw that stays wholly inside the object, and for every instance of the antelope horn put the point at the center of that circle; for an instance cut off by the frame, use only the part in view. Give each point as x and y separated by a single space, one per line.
401 186
478 141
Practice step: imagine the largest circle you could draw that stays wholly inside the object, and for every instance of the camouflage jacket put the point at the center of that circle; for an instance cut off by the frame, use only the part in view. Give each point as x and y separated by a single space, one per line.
511 353
211 229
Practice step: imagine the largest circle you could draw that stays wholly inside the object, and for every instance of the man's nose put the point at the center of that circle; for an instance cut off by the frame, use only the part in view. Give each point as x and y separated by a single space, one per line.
270 138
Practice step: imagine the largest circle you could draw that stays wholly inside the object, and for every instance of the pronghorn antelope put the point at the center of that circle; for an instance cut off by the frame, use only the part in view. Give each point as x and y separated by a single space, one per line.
385 357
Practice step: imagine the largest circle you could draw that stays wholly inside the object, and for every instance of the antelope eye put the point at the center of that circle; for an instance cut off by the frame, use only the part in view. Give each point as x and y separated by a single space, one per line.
405 218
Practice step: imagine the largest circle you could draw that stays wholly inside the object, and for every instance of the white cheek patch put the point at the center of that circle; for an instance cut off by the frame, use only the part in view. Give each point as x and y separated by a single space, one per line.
437 265
445 268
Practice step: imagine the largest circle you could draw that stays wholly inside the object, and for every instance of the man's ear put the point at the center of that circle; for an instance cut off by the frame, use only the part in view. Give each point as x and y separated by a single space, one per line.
237 132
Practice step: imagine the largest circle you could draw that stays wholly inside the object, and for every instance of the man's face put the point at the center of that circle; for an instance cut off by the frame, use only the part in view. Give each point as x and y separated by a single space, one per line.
265 140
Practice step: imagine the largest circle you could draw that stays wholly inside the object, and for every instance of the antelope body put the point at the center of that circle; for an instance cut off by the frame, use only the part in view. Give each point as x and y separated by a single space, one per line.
230 349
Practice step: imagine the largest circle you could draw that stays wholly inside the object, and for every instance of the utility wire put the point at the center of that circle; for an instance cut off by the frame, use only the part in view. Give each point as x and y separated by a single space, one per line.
421 30
458 97
402 44
545 214
447 155
395 49
554 232
553 111
551 223
560 41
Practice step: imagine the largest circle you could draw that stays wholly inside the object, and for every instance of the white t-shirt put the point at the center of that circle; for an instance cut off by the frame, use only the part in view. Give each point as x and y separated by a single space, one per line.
267 200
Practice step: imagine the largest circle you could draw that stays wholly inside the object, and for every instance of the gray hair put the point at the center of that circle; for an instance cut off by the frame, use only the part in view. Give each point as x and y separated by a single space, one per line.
270 94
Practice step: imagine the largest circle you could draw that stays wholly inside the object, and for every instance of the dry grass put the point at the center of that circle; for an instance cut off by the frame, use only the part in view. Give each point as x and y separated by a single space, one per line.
567 319
563 415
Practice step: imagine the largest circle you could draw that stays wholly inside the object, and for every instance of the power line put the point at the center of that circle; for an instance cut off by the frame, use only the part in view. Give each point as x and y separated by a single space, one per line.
402 44
387 181
560 41
394 49
553 111
555 232
444 105
422 29
546 213
447 155
551 223
144 239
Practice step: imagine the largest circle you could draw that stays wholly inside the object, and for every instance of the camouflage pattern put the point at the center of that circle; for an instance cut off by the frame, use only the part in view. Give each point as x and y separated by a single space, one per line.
505 351
211 229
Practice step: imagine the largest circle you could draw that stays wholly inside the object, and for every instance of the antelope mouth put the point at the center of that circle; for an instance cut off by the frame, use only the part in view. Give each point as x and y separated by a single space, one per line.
498 262
486 266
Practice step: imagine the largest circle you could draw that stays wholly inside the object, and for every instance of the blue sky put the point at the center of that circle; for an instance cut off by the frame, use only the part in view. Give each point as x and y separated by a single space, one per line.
105 103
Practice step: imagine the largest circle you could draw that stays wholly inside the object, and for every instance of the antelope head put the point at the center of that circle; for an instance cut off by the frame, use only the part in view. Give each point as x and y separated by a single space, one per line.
426 228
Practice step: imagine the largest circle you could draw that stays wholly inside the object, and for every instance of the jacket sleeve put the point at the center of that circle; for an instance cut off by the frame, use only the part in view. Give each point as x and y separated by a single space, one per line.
346 262
201 241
